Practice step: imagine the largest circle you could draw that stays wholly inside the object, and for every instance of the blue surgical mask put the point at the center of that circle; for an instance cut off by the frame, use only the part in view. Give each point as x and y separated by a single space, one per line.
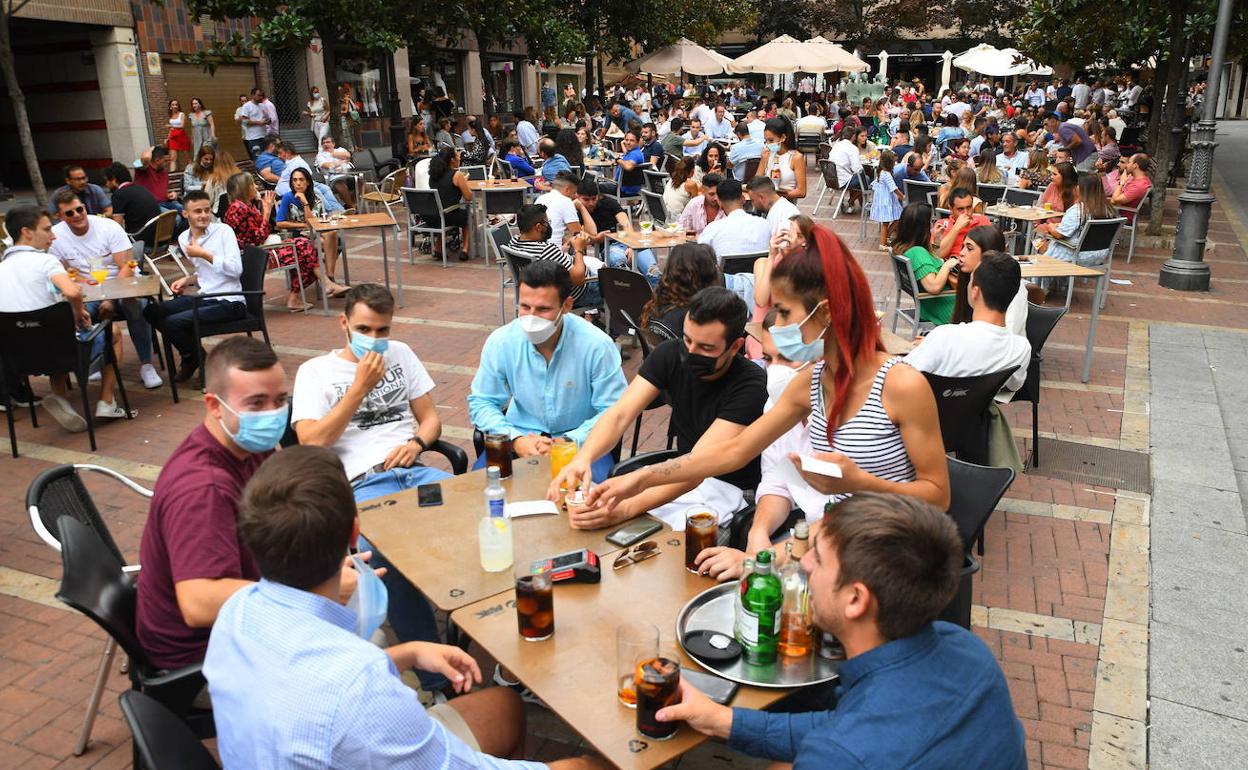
257 431
773 148
362 344
789 341
369 601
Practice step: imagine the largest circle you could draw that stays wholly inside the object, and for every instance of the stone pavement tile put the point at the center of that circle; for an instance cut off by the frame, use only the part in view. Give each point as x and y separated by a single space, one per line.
1189 453
1192 504
1176 336
1199 669
1117 743
1185 738
1219 554
1194 413
1185 599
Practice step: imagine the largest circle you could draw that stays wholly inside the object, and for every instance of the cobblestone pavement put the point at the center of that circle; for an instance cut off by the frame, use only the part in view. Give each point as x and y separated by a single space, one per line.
1062 597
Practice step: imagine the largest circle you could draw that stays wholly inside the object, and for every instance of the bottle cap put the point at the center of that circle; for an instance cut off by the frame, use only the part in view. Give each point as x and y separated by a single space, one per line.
493 473
801 529
763 557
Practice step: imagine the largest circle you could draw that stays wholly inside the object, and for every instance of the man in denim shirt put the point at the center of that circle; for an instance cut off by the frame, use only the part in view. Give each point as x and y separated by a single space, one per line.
912 692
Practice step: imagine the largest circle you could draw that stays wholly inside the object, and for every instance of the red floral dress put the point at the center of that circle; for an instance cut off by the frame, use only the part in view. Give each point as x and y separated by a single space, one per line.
251 229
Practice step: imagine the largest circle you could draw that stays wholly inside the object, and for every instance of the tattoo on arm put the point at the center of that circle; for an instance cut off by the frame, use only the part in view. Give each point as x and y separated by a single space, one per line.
668 468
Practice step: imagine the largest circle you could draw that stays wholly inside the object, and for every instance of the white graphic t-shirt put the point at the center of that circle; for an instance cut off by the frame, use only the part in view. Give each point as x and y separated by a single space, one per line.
384 419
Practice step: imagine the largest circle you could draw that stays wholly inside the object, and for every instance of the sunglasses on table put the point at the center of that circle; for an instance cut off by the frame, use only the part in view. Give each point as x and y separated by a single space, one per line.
637 553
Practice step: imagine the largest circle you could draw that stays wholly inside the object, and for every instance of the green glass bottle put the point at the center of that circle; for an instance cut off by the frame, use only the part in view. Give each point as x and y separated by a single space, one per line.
759 632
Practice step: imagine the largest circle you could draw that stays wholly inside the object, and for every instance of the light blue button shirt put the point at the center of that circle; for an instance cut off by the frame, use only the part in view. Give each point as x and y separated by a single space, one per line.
746 149
293 686
562 398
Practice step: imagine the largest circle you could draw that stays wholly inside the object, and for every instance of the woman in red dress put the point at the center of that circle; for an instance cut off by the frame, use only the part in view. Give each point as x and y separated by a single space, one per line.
179 139
248 215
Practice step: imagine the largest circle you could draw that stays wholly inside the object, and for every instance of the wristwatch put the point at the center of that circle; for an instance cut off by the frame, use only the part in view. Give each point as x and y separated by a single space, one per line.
423 446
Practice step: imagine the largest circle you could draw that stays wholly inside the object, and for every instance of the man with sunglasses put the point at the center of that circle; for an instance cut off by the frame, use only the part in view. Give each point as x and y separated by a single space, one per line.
93 197
82 240
714 393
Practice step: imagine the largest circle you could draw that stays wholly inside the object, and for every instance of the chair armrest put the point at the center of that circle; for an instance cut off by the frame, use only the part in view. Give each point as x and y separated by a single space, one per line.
453 208
457 457
95 332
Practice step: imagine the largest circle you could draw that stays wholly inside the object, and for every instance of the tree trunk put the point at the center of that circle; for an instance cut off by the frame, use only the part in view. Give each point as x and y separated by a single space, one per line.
1161 75
22 118
1172 114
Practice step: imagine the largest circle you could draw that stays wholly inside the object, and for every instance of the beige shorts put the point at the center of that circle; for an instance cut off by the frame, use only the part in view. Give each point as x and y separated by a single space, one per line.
454 724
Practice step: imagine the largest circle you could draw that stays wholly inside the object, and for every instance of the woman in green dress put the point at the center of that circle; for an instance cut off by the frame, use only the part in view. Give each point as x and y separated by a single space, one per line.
913 241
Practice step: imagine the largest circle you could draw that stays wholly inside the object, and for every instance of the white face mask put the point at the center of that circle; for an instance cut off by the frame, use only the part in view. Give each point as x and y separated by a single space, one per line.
778 378
536 328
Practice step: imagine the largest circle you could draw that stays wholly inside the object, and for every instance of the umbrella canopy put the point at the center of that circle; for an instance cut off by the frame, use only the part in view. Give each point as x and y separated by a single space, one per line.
786 55
843 60
987 60
682 56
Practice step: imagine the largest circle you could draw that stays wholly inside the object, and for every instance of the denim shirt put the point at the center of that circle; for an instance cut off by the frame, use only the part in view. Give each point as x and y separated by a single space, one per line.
936 699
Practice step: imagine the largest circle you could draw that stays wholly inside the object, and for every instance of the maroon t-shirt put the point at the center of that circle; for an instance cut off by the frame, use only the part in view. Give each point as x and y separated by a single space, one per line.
156 182
191 532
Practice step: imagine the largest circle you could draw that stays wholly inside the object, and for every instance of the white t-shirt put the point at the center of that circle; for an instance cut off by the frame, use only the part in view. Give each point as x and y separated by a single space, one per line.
103 239
283 182
737 233
26 280
384 419
957 108
972 349
561 211
779 215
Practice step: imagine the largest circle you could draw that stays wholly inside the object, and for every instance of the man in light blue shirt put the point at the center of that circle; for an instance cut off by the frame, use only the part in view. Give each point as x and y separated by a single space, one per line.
559 372
720 125
746 148
292 674
552 163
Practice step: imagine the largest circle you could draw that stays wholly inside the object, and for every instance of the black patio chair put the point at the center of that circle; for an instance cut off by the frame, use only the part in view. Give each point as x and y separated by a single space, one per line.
643 339
162 741
1041 321
93 581
45 341
59 491
623 290
962 404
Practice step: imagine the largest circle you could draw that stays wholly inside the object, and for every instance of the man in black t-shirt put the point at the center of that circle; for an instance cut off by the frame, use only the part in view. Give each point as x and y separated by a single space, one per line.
714 394
606 215
133 205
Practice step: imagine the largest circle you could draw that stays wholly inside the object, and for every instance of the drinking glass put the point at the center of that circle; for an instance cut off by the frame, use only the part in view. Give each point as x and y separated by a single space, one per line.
635 643
535 602
701 532
562 450
657 683
498 453
133 264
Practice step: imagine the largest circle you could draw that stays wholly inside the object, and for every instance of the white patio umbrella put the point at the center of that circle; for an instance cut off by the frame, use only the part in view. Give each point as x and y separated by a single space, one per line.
843 60
987 60
682 56
786 55
1025 65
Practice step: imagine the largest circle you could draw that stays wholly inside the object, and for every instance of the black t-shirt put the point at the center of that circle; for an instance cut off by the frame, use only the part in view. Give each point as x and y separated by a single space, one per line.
137 205
604 213
738 396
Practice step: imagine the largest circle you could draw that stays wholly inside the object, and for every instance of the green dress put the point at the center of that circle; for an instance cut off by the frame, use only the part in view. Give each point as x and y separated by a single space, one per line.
937 310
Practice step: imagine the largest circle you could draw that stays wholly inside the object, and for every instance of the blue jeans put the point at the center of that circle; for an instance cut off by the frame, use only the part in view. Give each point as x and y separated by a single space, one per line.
591 296
599 470
175 320
644 261
408 610
140 332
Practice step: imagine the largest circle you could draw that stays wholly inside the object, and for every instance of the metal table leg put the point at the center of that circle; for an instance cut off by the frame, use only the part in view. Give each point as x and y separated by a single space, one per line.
342 246
1096 313
315 240
398 265
385 263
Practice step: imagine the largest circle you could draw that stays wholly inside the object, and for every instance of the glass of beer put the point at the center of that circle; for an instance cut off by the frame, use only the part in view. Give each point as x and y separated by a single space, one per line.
535 602
635 643
562 450
133 264
701 531
657 683
498 452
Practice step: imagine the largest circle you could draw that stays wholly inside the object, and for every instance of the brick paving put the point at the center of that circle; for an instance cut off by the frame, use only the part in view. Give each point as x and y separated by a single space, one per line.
1040 562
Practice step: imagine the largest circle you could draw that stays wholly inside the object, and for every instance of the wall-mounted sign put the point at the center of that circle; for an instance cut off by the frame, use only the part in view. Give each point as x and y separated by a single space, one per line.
153 63
129 64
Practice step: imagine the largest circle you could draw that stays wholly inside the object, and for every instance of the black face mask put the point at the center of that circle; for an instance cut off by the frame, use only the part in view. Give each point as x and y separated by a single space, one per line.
697 364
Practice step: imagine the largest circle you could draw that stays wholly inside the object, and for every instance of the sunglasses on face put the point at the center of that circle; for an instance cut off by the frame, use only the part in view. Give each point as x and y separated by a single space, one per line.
75 211
637 553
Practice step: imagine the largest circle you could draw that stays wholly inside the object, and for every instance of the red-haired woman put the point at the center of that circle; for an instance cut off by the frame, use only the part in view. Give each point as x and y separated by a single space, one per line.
867 411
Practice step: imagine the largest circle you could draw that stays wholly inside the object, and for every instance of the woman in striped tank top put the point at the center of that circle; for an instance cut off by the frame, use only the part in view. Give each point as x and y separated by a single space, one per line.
869 412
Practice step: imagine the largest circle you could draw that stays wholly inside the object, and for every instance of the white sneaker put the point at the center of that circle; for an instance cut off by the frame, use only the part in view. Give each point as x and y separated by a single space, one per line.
149 375
64 414
111 411
95 377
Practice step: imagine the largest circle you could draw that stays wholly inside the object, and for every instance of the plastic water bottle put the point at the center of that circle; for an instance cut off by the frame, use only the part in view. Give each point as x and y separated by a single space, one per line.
494 530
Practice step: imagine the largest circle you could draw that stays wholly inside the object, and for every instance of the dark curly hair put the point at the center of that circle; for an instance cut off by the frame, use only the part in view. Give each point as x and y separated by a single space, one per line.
691 267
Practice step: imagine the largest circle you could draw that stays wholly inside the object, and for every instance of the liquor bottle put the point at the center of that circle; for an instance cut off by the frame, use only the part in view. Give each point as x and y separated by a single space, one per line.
760 613
494 530
747 569
795 639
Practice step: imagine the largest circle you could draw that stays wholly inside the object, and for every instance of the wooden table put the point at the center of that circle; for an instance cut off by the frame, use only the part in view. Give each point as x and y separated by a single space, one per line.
1029 214
1041 266
121 288
574 670
656 239
436 548
380 220
477 205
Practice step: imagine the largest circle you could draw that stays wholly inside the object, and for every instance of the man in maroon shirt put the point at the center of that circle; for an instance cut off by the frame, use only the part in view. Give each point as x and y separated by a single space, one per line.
152 173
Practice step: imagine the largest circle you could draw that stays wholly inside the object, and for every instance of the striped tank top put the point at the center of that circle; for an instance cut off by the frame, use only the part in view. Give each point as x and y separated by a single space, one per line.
869 438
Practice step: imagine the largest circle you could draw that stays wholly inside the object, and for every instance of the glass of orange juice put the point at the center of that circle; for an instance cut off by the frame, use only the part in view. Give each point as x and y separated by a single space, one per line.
562 450
98 271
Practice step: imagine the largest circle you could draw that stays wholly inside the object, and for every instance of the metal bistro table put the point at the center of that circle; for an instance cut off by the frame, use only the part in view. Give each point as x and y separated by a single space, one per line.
436 547
380 220
1040 266
574 671
481 241
1029 214
122 288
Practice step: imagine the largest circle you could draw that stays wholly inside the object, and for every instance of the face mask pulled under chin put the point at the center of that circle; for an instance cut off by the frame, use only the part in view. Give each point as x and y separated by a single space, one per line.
369 601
